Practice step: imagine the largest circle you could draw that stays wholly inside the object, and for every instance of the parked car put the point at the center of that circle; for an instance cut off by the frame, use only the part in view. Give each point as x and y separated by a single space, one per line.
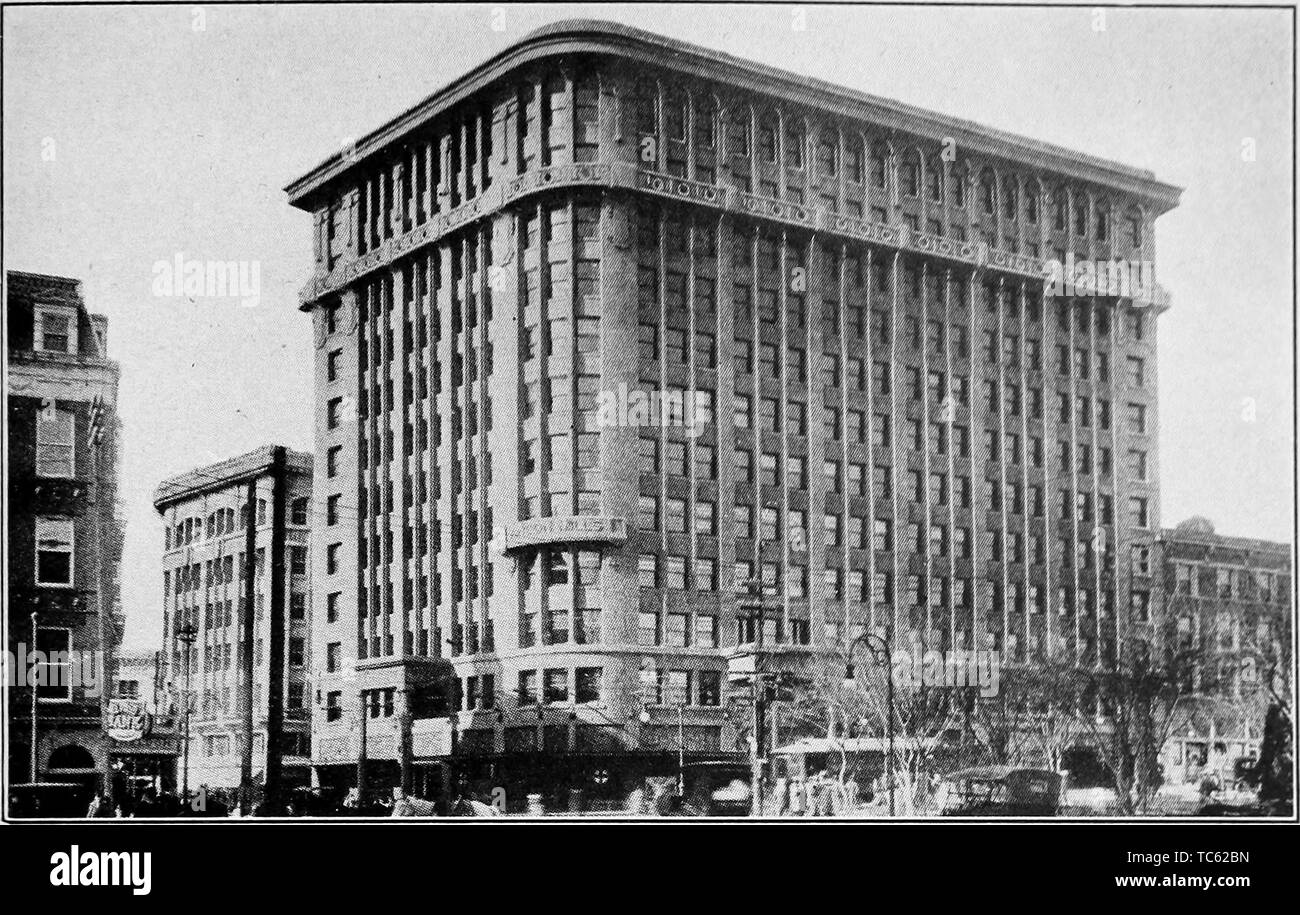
717 789
1000 791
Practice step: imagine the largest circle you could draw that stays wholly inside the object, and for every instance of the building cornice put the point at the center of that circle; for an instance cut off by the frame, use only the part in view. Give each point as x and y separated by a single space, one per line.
62 377
225 474
596 37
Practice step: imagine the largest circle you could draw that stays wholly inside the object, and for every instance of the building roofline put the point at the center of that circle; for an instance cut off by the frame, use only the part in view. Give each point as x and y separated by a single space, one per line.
45 277
1171 535
596 36
224 474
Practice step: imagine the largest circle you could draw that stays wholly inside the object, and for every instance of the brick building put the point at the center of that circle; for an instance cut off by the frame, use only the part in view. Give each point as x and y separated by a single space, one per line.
206 537
1233 596
891 420
64 543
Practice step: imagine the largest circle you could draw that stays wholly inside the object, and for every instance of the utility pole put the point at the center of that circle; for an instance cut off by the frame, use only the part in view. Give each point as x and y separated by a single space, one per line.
187 634
247 638
275 659
361 752
107 651
753 602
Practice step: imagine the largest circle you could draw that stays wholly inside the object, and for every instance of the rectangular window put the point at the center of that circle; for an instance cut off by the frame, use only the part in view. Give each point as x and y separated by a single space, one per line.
55 443
56 332
527 691
647 628
587 684
556 685
1138 511
676 630
54 550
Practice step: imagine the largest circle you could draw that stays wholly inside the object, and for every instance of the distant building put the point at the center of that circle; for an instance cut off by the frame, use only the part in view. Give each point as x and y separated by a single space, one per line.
65 538
136 677
1231 595
206 514
141 726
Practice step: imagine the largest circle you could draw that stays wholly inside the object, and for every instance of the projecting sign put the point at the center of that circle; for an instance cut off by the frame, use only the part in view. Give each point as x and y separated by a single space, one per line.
127 719
569 528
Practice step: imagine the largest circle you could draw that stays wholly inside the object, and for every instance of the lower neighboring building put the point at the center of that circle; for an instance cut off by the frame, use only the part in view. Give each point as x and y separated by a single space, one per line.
141 729
64 544
1233 596
207 514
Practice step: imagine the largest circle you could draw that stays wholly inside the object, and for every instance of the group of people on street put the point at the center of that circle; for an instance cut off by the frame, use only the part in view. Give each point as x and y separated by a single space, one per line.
816 795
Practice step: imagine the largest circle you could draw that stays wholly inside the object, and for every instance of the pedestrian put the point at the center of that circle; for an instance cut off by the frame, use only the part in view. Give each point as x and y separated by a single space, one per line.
825 788
798 797
781 796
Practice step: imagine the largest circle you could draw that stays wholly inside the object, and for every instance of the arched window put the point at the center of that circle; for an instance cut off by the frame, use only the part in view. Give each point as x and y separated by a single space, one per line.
645 104
1133 218
828 154
934 180
988 192
879 165
738 140
795 138
958 179
1010 201
910 176
767 139
857 160
706 138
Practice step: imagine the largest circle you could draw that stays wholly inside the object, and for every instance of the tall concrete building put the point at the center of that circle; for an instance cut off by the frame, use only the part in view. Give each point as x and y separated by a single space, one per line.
613 322
64 542
212 516
1232 597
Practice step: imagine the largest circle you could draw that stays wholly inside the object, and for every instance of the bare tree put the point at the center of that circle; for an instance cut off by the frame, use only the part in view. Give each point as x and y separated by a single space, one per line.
1131 708
1033 719
926 719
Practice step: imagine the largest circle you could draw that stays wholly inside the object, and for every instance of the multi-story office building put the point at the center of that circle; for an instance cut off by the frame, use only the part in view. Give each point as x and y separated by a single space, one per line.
891 420
64 539
1231 598
214 517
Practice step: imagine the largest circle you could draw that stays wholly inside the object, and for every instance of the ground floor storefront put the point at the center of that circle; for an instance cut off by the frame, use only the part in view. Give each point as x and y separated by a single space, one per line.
534 782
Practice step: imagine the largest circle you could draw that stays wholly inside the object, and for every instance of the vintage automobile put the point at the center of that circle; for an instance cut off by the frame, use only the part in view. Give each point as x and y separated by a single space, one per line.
999 791
716 789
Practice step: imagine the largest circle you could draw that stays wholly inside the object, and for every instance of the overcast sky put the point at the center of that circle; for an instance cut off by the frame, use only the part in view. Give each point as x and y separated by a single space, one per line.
132 135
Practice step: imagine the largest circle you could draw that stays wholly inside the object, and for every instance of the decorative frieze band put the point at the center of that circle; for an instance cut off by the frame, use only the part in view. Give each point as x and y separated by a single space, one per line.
727 199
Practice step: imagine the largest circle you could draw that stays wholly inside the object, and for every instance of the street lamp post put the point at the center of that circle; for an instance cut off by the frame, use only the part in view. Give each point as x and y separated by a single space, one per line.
35 767
187 634
881 653
751 607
